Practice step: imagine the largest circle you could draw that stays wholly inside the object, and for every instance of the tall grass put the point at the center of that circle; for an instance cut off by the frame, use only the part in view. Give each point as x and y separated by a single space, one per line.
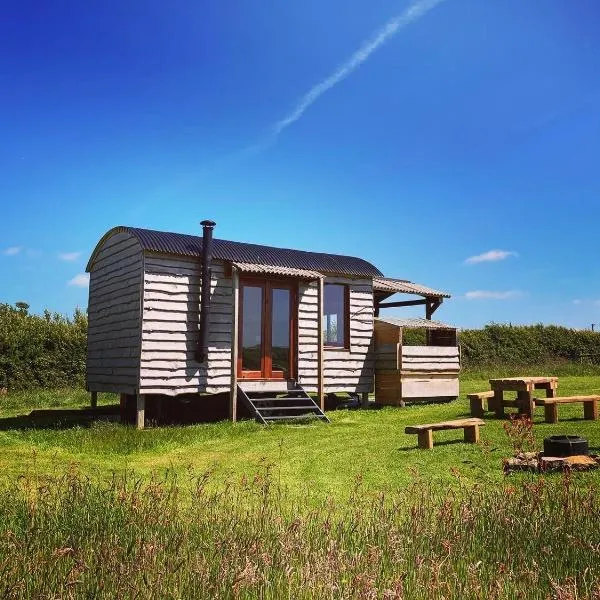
70 537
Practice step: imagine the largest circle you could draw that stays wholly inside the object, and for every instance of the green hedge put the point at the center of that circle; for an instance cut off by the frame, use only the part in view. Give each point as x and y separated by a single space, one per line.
528 345
41 351
48 351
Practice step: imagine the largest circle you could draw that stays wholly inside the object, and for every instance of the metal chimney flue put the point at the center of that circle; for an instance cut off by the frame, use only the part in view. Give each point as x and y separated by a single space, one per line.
207 238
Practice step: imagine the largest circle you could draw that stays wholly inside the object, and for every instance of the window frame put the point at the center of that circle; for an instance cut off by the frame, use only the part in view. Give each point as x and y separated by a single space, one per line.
346 308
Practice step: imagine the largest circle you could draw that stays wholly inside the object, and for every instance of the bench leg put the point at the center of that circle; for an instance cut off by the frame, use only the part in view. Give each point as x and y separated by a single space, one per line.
499 403
476 407
551 413
472 434
426 439
551 391
590 410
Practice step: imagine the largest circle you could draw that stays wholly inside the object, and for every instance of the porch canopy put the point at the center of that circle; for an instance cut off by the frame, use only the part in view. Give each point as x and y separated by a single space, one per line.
384 287
257 269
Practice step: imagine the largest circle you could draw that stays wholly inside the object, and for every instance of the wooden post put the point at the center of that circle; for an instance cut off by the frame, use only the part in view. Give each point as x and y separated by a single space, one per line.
476 405
499 403
472 434
426 439
525 402
141 410
590 410
551 413
158 406
235 285
551 390
364 401
94 399
320 359
123 408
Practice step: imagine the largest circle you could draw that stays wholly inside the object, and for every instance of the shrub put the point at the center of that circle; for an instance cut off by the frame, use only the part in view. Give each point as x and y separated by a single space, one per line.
527 345
41 351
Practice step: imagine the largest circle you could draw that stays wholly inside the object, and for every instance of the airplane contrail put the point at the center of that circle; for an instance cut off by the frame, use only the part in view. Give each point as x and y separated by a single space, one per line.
415 11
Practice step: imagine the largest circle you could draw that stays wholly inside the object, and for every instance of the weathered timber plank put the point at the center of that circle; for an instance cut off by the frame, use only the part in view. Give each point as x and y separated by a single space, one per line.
444 425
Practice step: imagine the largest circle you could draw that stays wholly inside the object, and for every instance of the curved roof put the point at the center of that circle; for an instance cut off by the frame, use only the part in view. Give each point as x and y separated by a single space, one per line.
180 244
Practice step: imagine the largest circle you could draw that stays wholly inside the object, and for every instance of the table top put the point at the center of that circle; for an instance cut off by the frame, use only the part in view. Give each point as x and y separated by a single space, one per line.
525 379
518 383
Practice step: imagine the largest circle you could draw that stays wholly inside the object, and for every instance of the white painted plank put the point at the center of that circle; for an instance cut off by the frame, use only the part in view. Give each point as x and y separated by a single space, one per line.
429 351
429 388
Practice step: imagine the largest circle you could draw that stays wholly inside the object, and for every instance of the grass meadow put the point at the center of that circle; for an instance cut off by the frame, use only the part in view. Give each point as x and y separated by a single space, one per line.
91 508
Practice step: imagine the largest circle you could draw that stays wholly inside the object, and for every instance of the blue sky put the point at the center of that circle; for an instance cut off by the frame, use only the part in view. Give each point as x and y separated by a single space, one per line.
416 138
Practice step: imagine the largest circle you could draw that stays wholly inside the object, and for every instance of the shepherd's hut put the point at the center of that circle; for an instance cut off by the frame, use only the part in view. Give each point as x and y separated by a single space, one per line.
274 329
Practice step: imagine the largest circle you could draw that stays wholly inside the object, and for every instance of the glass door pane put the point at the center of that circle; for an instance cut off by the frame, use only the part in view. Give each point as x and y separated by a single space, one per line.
252 329
280 332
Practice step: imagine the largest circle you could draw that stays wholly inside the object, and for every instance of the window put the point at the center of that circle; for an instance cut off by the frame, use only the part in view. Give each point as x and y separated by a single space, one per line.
336 316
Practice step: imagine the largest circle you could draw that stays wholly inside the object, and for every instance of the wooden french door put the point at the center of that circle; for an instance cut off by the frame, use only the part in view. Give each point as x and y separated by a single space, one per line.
267 329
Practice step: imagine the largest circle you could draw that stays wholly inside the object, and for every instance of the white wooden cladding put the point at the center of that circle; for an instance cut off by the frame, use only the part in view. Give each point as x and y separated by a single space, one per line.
421 359
144 318
345 370
114 316
414 386
170 333
430 358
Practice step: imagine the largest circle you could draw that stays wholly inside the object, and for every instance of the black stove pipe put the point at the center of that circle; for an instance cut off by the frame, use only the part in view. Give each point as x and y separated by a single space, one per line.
207 233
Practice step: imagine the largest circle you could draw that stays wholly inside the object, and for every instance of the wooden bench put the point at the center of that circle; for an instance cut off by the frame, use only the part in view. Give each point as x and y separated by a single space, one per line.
590 406
425 432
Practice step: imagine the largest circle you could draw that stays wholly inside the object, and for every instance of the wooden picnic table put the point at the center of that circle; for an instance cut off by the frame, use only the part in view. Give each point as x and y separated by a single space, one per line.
524 386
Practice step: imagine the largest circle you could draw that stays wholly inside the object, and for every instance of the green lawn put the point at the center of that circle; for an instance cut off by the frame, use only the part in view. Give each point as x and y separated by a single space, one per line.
370 444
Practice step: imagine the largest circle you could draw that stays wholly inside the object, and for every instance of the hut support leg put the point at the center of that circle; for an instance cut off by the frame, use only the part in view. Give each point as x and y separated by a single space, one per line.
159 409
364 399
94 399
141 410
123 407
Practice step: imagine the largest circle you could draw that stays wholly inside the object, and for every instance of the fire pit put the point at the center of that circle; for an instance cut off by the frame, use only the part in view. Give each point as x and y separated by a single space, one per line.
561 452
565 445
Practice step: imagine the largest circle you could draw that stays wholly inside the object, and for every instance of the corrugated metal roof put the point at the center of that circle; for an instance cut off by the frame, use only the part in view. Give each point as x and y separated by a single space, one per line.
415 323
402 286
191 245
272 270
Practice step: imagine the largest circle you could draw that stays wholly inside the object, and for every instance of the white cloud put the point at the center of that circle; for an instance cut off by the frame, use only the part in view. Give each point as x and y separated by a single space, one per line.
69 256
80 280
491 295
490 256
415 11
12 251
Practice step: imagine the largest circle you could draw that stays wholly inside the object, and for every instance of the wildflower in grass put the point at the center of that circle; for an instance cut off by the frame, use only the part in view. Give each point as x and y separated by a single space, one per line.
519 429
